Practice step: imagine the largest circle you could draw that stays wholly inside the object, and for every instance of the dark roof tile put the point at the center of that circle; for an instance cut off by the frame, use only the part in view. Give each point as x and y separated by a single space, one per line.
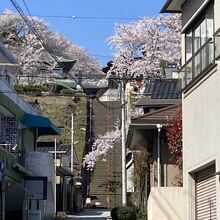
163 89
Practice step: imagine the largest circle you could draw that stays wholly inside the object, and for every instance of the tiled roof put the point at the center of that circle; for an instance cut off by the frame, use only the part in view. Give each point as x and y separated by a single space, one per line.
156 117
142 126
163 89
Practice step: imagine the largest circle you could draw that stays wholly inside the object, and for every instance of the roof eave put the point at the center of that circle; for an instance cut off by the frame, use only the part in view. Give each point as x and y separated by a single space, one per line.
166 8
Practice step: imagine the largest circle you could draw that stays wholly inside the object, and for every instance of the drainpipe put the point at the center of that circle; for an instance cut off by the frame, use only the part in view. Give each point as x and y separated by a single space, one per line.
159 126
72 133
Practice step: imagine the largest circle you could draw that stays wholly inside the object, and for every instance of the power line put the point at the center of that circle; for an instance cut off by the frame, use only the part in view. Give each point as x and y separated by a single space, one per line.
104 56
31 16
104 18
73 17
33 29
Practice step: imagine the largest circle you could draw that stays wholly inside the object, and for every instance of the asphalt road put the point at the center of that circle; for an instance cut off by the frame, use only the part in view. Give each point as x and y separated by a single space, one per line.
90 214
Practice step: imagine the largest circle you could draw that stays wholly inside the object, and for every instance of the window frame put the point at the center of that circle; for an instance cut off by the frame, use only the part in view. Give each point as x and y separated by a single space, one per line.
198 59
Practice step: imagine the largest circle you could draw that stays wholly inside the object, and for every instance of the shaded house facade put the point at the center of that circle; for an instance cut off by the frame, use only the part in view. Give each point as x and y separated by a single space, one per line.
149 131
20 126
201 74
147 134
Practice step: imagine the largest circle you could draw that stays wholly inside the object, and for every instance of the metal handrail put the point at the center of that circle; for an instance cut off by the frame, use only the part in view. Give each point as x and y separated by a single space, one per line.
217 34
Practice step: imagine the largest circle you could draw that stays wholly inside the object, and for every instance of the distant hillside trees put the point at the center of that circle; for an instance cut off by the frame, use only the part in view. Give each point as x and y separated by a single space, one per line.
33 57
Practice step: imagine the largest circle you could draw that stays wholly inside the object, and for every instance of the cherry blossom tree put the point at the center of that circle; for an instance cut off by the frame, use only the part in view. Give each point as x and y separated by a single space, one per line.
61 46
141 46
30 51
101 146
140 49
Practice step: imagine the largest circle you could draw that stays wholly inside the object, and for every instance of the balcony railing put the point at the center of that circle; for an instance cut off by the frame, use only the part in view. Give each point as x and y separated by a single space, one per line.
199 62
217 44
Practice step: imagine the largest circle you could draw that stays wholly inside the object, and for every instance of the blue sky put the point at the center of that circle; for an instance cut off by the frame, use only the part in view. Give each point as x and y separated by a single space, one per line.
91 34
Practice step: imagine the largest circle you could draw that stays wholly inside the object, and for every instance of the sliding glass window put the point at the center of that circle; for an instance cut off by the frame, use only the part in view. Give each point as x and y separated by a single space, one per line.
199 47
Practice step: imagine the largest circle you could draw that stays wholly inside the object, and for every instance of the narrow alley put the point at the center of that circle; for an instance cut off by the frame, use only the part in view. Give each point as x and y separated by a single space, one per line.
90 214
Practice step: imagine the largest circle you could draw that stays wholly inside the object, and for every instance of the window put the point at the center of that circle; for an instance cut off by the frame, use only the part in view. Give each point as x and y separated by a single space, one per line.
199 47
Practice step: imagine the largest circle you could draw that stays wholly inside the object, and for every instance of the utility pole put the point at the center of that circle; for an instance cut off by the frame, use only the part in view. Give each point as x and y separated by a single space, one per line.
72 133
55 177
123 146
159 126
91 96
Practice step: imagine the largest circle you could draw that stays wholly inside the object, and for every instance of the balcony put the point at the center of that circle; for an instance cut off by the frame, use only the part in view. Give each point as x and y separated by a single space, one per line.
201 61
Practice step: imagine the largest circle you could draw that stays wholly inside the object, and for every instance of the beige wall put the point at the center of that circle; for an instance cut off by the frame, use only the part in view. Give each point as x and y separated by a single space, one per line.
201 132
217 14
165 203
201 129
168 174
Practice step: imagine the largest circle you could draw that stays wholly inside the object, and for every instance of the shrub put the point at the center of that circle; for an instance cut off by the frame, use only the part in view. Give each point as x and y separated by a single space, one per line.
141 215
67 92
123 213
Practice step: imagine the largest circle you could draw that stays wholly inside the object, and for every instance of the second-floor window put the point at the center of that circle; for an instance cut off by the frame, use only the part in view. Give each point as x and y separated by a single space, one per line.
199 47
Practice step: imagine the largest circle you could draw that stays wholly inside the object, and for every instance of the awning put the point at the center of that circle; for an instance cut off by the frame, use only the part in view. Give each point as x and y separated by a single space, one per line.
62 171
44 125
23 170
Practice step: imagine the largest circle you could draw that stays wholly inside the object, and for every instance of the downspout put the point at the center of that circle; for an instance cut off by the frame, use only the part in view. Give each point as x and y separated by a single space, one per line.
159 126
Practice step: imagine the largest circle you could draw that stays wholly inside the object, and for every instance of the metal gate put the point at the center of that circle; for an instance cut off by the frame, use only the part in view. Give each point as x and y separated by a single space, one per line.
206 194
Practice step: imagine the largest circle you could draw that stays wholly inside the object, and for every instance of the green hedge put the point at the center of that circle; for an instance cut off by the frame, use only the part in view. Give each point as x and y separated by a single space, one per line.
30 89
67 92
123 213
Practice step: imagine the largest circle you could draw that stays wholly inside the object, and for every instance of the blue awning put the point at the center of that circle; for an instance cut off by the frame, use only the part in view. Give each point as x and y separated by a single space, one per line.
44 125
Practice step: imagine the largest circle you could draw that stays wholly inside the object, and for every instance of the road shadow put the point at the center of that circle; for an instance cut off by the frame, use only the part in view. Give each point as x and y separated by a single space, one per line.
91 214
